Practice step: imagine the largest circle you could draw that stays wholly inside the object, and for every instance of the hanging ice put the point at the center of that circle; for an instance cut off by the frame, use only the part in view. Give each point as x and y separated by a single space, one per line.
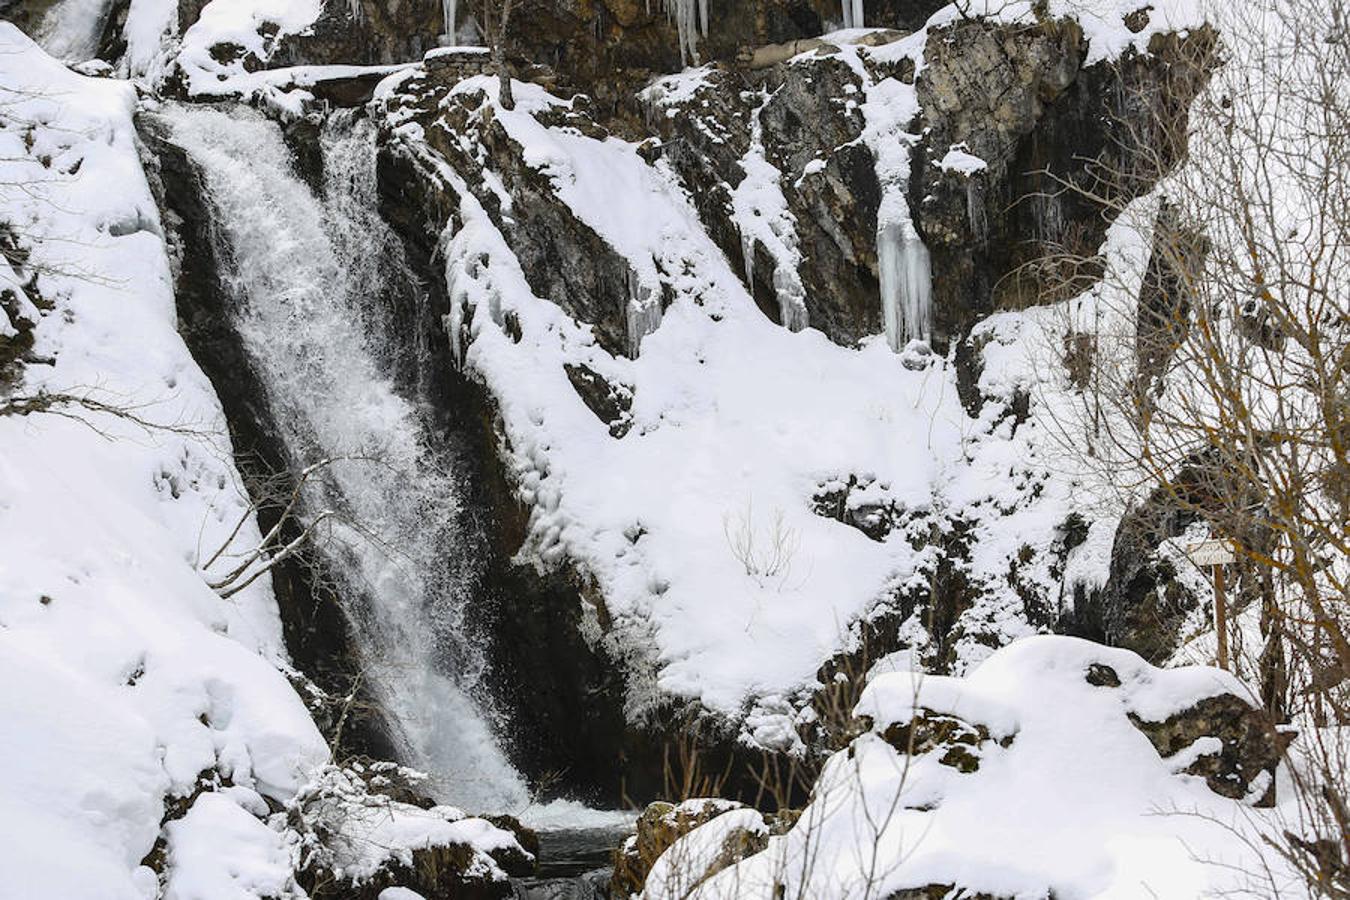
448 11
690 18
906 283
643 312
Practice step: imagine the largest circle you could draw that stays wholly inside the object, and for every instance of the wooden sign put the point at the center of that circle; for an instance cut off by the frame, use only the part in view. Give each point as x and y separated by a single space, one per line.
1211 553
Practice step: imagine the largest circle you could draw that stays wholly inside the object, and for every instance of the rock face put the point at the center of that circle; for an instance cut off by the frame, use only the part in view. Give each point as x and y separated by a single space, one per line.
1022 149
1243 765
1002 116
380 32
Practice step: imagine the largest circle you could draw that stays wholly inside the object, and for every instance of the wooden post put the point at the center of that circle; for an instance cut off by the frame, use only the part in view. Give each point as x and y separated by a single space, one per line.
1221 616
1214 554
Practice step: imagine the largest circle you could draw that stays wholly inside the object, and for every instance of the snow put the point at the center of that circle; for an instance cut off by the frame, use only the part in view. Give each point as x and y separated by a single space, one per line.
245 24
738 423
1077 804
151 33
107 627
221 851
959 159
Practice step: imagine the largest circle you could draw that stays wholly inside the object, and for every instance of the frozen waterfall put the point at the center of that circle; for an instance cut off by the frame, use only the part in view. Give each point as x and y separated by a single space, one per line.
305 276
906 283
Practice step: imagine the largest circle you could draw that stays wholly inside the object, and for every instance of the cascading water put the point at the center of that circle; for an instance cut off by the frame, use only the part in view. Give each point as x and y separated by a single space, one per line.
71 29
305 275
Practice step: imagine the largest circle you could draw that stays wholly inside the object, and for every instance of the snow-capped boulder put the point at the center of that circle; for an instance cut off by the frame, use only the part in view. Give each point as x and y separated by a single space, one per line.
351 840
662 826
1056 768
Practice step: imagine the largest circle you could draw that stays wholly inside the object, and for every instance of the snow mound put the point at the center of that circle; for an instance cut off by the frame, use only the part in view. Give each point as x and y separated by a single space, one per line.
1028 778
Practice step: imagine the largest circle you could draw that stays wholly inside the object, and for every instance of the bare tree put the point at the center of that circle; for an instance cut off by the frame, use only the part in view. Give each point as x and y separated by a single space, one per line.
497 30
1220 383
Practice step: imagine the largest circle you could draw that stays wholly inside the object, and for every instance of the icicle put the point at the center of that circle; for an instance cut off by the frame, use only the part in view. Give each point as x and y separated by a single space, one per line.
979 224
748 253
643 313
686 15
791 298
858 20
906 283
354 7
449 11
847 10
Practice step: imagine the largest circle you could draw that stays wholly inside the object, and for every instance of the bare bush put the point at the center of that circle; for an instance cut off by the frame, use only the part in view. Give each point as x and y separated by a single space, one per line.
764 552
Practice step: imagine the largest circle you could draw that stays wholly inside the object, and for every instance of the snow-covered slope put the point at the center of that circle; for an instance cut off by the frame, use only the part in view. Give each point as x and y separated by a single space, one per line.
136 677
758 490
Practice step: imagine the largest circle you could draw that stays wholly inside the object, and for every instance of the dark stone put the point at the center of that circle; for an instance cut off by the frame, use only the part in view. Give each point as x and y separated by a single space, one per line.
1250 744
1099 675
611 403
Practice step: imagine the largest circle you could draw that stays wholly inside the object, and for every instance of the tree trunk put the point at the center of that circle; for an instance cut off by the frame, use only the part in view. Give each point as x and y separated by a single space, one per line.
504 94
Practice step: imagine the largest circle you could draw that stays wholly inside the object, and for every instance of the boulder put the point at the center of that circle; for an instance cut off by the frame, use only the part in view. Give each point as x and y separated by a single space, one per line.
658 828
1241 752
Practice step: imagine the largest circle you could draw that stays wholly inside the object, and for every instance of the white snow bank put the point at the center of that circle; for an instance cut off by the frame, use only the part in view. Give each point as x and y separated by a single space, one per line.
221 851
124 675
1077 804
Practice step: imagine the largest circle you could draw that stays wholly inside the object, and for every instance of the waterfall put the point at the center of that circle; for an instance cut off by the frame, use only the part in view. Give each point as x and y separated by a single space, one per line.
853 13
71 29
306 276
906 283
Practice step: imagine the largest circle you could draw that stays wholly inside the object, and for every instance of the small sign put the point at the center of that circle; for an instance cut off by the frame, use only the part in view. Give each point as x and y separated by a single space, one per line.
1211 553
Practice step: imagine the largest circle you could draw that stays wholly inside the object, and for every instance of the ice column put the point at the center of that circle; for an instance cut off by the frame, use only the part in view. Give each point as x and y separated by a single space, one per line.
643 312
906 283
853 13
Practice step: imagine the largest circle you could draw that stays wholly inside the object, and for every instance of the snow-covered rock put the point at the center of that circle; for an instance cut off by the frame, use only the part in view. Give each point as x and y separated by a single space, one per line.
1029 777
